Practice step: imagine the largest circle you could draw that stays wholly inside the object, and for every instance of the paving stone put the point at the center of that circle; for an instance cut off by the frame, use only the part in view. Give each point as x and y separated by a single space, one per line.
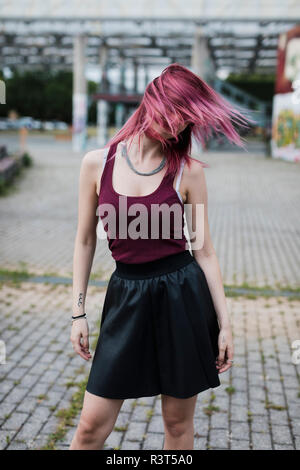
39 389
15 421
279 417
135 430
17 373
153 441
239 413
140 413
201 426
29 430
50 426
239 429
17 445
219 420
283 447
131 445
114 439
6 409
261 441
218 438
238 444
200 443
123 419
260 423
5 438
156 424
41 413
282 435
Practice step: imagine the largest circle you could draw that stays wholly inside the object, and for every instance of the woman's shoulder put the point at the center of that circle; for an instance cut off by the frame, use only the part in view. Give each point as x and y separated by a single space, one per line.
92 166
94 158
193 169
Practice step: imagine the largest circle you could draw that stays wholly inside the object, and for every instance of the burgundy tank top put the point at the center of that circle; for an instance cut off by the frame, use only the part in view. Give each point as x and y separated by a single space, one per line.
127 220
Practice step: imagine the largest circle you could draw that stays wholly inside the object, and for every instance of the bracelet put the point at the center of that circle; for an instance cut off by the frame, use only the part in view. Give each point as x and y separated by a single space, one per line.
79 316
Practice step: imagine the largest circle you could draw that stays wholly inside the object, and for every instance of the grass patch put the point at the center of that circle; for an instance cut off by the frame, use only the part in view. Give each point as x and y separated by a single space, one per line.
273 406
14 274
121 428
149 414
209 410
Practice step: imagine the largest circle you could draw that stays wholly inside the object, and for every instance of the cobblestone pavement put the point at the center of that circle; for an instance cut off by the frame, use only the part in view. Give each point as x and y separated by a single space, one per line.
256 406
254 224
253 216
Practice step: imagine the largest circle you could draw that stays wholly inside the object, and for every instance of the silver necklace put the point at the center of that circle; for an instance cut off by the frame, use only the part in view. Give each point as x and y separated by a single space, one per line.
125 154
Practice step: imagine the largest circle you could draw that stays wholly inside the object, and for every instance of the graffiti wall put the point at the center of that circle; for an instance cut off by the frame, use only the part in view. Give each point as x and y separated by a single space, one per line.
286 103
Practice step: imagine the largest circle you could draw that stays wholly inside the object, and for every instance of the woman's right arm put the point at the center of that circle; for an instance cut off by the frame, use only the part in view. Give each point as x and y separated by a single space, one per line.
85 245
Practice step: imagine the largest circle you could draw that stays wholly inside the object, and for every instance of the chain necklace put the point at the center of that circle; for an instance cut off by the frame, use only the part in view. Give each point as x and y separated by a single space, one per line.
156 170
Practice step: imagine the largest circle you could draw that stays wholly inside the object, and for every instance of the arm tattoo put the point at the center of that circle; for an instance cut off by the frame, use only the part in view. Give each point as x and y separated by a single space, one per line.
80 299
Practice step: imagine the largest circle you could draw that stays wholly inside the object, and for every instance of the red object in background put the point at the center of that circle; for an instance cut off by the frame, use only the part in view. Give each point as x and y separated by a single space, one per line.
283 84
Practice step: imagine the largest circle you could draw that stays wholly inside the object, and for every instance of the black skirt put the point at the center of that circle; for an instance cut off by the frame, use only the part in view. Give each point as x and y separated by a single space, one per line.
158 332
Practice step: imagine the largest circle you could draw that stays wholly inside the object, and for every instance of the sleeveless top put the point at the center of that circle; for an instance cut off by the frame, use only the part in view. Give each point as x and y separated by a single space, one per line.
128 220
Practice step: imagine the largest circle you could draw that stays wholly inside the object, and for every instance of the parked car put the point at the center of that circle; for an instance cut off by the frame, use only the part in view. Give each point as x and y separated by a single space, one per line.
48 126
25 121
60 125
4 125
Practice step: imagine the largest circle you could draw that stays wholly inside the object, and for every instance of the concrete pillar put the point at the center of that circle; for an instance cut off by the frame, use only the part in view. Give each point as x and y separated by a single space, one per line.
135 77
80 101
102 105
120 115
146 74
203 66
201 62
103 59
122 75
102 122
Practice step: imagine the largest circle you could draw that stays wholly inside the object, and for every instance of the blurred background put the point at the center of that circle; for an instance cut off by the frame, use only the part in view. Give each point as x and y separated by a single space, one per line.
71 73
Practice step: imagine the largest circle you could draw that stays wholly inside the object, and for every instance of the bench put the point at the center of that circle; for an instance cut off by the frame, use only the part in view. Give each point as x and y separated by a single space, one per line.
8 165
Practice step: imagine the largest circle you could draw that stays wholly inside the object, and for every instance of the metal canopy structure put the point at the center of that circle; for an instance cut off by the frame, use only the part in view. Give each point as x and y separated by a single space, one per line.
240 37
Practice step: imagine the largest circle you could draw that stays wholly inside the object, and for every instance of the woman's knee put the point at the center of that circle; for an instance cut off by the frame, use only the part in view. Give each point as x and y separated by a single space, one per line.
176 426
90 430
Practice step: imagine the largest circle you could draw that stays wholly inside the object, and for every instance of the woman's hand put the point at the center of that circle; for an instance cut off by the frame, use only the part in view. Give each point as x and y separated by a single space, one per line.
225 344
80 338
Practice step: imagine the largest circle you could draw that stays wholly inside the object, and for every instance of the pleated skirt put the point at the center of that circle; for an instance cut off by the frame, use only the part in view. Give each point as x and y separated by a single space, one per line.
158 332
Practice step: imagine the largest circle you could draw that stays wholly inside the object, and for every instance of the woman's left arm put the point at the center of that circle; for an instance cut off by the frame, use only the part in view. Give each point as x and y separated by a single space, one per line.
204 253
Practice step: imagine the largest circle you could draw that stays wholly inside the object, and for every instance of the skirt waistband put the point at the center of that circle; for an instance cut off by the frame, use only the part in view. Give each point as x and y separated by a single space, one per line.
153 268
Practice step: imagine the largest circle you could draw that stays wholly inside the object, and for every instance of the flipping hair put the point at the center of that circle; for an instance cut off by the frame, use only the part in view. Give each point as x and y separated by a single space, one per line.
177 97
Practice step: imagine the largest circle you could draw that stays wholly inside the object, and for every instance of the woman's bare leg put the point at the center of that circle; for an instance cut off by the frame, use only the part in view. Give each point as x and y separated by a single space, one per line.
178 418
97 420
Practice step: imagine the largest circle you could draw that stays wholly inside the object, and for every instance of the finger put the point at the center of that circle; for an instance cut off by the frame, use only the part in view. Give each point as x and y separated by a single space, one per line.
84 350
79 349
86 354
82 353
224 368
85 342
230 353
220 358
226 365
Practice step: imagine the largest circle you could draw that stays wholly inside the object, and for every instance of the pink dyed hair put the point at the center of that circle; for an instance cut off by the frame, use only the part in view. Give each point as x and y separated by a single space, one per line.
176 97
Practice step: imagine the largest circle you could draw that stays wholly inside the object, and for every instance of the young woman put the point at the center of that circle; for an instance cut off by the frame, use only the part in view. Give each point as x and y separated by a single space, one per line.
165 327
